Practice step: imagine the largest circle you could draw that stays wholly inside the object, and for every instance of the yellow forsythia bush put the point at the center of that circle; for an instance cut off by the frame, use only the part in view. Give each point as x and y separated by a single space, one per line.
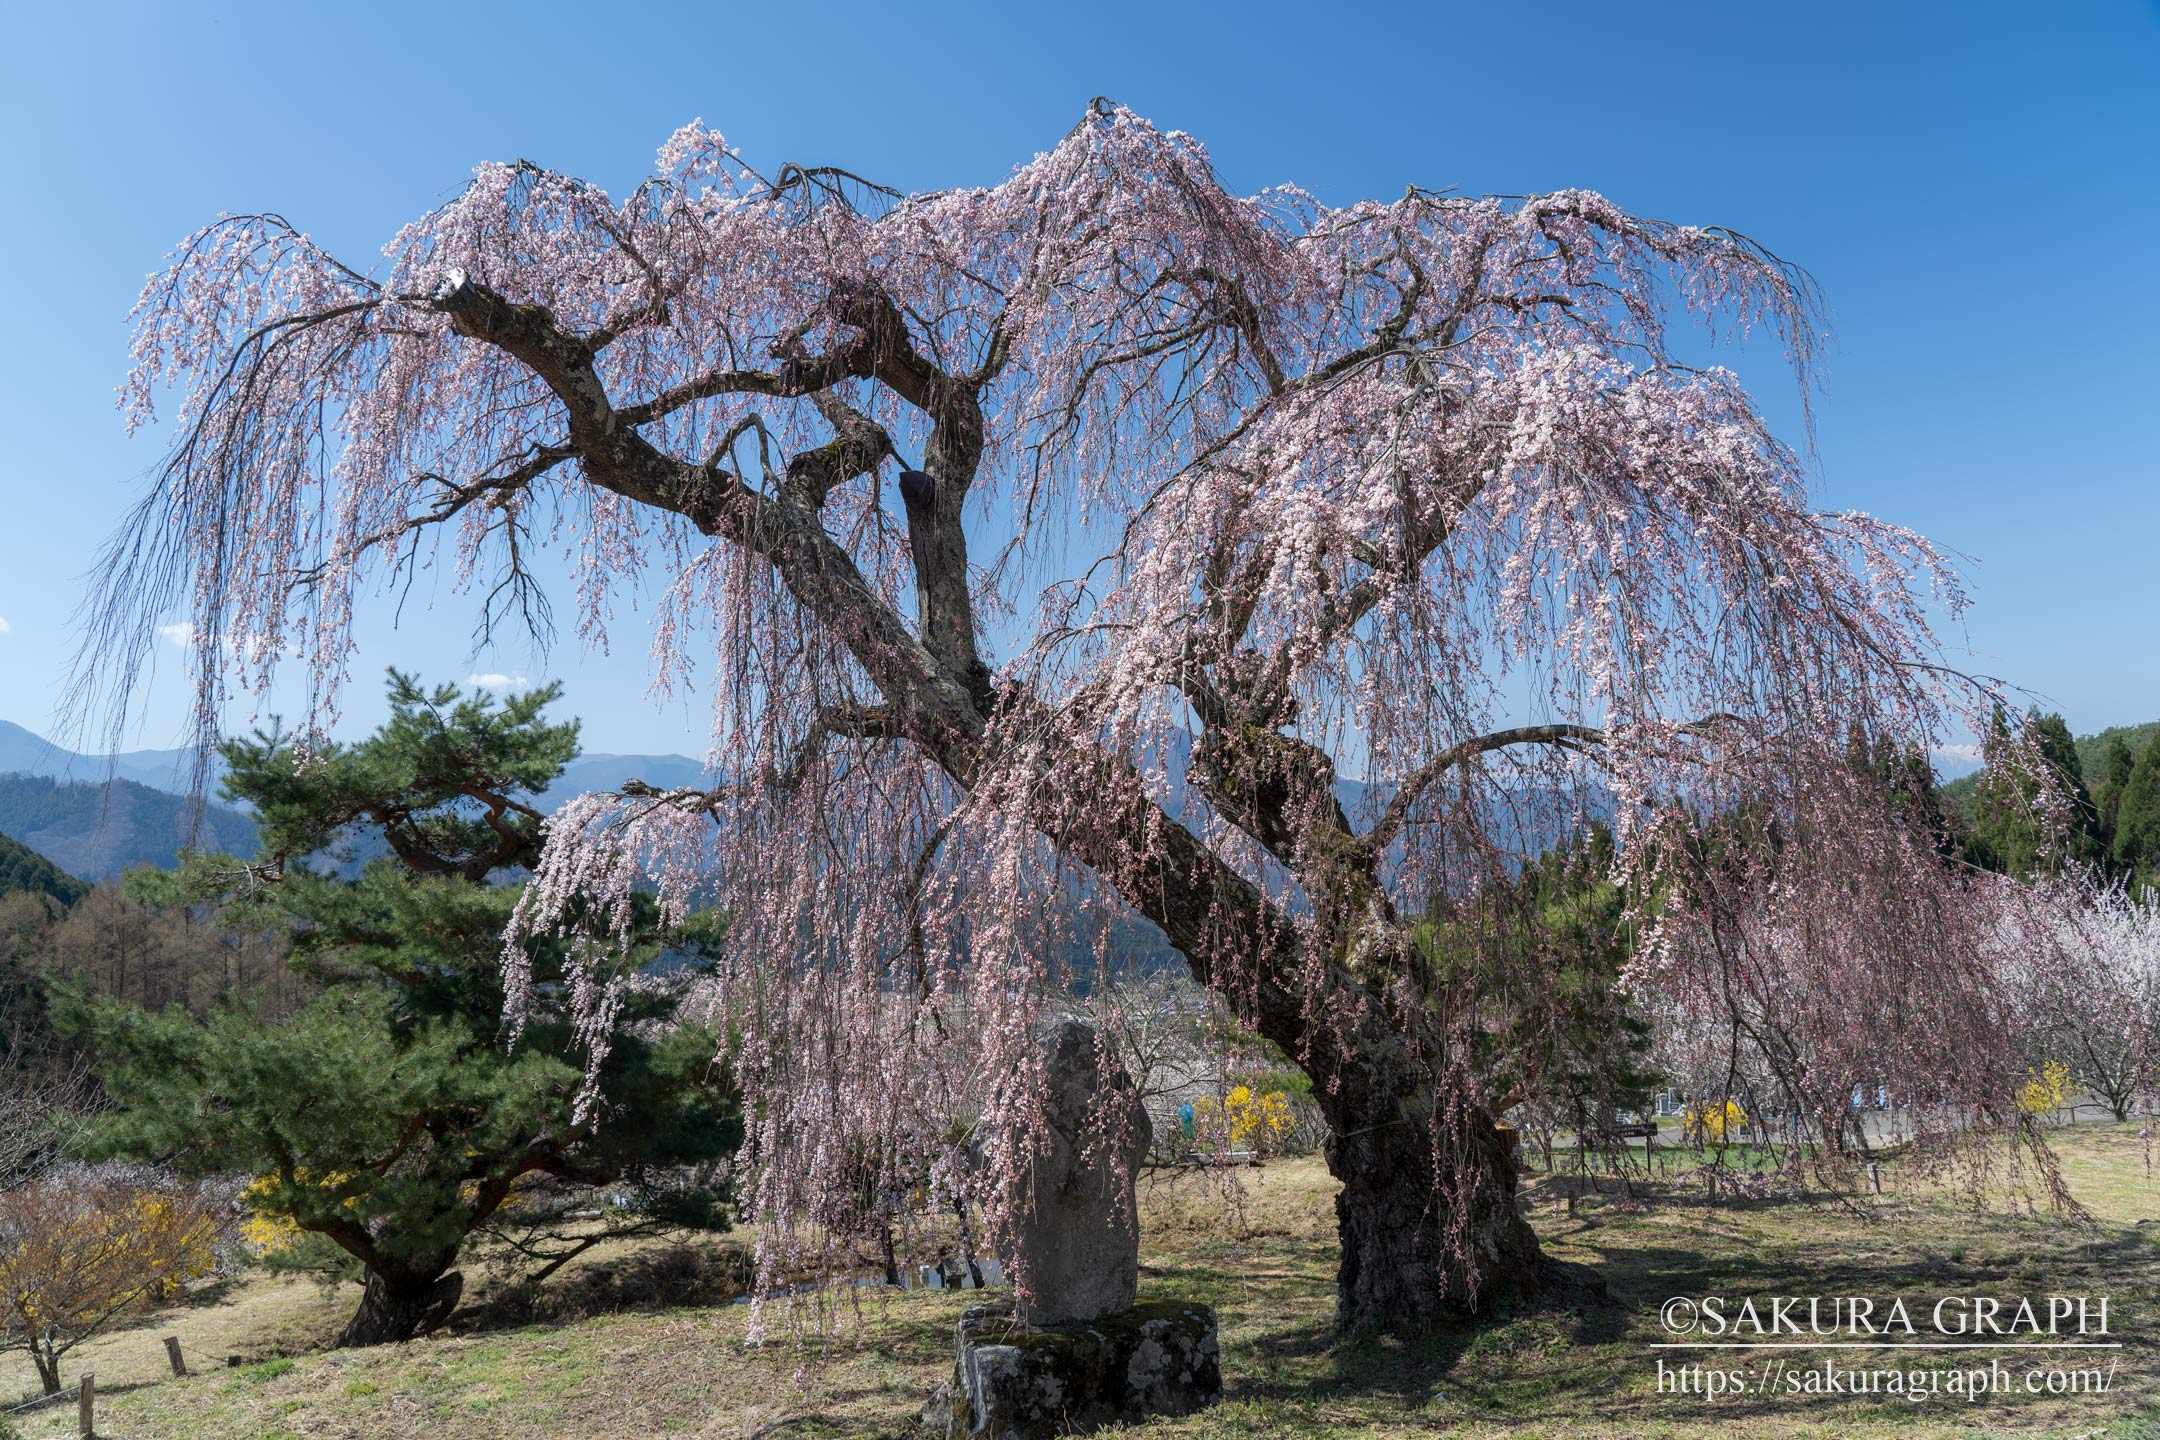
269 1230
1247 1121
521 1192
175 1244
2045 1089
1716 1123
83 1247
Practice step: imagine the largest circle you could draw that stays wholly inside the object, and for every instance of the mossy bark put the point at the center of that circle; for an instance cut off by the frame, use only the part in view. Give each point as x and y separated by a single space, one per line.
1427 1236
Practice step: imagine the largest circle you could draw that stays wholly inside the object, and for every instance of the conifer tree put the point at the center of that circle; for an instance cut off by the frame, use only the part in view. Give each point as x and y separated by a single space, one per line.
2012 830
2137 819
398 1111
1908 780
2116 763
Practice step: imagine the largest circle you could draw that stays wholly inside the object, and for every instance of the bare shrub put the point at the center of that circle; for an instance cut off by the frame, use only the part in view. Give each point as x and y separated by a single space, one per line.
82 1248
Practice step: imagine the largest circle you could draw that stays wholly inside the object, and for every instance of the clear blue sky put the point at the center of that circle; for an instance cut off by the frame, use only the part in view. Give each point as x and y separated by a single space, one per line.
1977 186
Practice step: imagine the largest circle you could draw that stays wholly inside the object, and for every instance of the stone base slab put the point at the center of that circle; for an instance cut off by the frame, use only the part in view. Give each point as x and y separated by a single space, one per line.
1018 1382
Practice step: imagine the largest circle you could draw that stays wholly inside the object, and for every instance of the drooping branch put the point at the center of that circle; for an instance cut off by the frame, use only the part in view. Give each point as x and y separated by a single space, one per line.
1579 738
1405 800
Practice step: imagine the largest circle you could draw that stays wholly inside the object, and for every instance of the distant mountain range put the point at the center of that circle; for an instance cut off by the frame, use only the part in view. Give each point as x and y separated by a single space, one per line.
23 752
97 831
93 816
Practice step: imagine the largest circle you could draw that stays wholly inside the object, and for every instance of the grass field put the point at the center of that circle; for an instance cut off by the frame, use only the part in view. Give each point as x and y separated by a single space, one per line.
1267 1264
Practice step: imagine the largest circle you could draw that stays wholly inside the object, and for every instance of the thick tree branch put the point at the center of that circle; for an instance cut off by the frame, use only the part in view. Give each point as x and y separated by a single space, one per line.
881 350
1397 813
858 446
934 703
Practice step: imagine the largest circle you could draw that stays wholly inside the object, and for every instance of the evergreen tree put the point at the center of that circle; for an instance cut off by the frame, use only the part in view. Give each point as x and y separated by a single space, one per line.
1908 778
1578 1055
2011 829
2116 765
2137 819
398 1110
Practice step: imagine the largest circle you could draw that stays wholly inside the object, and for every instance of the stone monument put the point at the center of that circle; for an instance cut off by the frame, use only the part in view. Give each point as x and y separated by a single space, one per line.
1079 1352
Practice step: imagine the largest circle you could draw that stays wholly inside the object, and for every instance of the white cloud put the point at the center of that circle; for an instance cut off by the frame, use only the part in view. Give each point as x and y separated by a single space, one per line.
1958 752
4 626
496 680
181 633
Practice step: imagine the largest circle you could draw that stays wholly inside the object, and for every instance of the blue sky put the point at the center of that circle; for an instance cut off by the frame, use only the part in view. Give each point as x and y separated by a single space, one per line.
1976 185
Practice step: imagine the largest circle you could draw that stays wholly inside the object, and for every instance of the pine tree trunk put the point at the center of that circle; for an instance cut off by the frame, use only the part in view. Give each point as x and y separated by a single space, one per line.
404 1303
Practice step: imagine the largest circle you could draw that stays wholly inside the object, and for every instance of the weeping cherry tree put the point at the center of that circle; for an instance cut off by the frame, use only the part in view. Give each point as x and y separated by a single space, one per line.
1055 555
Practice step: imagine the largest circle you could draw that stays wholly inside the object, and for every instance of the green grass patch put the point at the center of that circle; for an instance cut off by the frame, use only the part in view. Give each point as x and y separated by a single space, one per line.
1264 1258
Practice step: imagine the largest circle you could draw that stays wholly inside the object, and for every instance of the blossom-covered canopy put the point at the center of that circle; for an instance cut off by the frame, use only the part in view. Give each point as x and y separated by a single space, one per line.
1065 549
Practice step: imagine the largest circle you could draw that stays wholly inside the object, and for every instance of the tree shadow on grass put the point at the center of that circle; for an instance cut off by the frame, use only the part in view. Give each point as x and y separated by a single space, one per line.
1474 1364
671 1277
1548 1360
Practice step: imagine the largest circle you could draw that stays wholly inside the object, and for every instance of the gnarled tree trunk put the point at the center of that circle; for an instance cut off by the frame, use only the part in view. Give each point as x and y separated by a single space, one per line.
1426 1237
401 1303
1427 1216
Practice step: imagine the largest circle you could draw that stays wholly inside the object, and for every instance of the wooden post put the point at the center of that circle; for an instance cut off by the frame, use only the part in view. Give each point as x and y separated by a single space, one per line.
1874 1175
86 1402
172 1353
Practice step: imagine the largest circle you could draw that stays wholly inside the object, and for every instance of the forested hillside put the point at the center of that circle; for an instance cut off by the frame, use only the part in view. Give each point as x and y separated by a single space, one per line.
2092 752
23 869
97 831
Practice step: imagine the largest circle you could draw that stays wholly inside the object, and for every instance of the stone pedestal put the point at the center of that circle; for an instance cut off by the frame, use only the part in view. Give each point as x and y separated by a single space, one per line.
1030 1382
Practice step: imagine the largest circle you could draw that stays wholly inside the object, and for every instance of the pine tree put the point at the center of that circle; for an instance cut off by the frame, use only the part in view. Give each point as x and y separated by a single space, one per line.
398 1111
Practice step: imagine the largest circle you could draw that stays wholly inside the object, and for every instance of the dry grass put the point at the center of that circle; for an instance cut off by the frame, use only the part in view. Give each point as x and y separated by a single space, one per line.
1266 1262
